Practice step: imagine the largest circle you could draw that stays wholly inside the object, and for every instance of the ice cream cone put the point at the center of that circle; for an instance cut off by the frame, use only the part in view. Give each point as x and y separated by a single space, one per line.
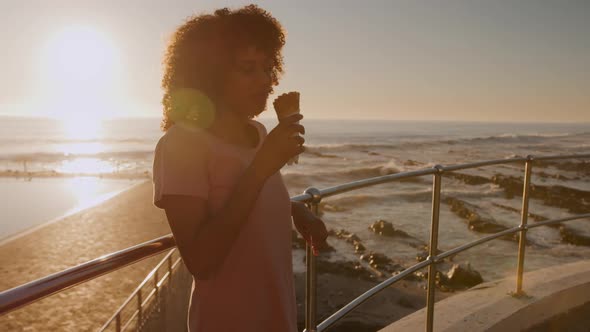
286 105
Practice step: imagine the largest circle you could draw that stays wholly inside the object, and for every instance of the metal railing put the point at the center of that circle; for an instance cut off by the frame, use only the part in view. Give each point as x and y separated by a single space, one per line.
314 196
159 286
33 291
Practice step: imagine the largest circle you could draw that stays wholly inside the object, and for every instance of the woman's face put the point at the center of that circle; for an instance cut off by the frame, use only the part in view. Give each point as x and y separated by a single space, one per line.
249 83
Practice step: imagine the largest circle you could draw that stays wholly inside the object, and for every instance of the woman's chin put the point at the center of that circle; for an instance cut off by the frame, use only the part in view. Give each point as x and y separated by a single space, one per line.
255 111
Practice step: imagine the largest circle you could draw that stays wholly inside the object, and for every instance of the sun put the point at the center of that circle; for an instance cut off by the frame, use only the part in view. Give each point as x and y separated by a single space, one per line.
80 68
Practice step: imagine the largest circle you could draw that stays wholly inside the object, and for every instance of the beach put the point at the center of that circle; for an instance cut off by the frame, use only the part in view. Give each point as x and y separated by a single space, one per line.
118 223
126 220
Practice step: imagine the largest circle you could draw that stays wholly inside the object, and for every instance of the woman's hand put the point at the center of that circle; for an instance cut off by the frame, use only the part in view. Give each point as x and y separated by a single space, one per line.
311 228
280 145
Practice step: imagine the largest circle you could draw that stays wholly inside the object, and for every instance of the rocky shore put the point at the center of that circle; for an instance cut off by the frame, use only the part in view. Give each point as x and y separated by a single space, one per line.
575 201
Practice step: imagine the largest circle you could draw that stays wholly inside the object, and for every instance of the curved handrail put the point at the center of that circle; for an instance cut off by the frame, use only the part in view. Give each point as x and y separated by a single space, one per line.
17 297
25 294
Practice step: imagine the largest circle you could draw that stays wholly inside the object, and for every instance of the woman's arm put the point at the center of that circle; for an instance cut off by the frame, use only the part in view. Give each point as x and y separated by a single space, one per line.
204 242
311 228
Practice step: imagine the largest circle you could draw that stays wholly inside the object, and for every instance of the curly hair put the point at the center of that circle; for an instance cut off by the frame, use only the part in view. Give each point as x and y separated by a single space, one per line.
201 51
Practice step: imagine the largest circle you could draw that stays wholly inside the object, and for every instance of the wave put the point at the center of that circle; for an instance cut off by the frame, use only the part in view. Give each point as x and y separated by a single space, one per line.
345 203
48 141
345 147
59 156
322 150
348 173
314 152
515 138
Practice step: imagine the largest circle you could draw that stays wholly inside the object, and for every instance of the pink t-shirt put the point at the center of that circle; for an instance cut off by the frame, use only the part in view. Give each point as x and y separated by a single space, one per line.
253 290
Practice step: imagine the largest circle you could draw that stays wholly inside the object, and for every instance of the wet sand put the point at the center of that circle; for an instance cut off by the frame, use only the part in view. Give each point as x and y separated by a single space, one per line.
129 219
116 224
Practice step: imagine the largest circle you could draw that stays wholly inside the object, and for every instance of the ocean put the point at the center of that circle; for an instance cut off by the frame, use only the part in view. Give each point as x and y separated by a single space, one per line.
34 152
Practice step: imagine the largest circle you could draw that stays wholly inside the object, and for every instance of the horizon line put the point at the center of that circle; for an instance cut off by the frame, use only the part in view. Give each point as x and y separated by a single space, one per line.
114 118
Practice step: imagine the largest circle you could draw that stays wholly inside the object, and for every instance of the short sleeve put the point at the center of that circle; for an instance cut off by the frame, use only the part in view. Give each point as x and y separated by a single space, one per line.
180 165
262 132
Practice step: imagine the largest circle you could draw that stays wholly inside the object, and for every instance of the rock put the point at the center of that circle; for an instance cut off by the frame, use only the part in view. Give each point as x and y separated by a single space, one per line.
381 262
374 257
359 248
385 228
575 200
460 276
345 235
475 221
511 185
469 179
533 216
569 236
582 167
382 227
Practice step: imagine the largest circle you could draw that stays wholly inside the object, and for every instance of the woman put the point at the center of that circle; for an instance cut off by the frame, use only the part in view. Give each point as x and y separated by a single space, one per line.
216 172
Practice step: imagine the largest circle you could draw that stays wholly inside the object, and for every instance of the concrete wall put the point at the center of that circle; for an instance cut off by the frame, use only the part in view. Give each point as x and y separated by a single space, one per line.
490 307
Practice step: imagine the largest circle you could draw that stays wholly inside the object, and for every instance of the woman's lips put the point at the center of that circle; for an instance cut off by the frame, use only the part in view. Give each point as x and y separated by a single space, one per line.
261 96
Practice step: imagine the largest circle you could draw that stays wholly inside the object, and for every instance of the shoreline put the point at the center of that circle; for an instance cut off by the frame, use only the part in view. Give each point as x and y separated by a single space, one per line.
100 199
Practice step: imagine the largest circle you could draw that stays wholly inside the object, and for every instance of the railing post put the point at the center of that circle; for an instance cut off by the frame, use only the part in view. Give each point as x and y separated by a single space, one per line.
433 247
157 289
139 312
523 222
118 322
311 273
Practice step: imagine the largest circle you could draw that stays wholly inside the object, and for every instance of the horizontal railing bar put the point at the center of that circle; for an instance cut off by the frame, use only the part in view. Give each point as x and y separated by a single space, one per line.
483 163
306 198
557 221
130 320
164 278
370 293
373 181
19 296
569 156
148 297
342 188
472 244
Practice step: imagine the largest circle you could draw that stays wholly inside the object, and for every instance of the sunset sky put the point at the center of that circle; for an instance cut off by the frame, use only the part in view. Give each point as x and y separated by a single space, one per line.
399 60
